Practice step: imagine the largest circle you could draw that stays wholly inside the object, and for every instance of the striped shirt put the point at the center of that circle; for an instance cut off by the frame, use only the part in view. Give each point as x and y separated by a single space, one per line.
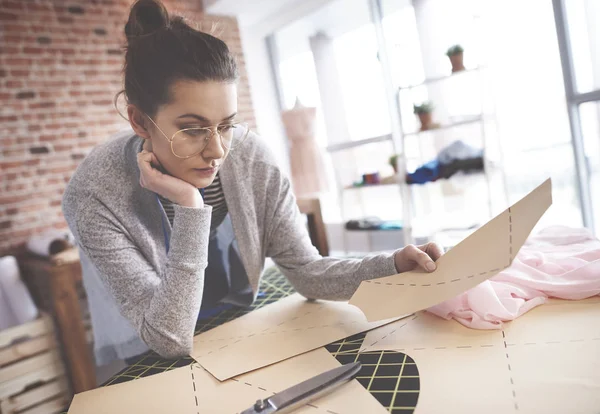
213 196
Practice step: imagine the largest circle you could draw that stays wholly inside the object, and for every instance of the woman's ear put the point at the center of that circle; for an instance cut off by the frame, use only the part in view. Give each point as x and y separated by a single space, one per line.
138 121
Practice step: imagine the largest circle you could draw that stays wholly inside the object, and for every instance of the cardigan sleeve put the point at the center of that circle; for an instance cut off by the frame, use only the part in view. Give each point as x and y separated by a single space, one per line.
163 308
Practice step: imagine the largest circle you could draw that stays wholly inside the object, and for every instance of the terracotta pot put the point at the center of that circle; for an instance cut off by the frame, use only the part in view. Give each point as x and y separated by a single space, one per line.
457 62
426 119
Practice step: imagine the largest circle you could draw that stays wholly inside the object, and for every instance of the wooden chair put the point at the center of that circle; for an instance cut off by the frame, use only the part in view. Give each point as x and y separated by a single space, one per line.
316 227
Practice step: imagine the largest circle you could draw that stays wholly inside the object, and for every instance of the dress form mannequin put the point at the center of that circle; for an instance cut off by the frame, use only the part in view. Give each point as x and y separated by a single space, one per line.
308 172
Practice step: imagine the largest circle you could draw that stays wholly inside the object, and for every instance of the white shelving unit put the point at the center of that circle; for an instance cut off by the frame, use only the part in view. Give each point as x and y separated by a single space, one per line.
410 233
485 119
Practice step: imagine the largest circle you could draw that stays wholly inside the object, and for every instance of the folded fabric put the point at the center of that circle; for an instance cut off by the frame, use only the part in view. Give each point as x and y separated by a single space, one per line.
427 172
558 262
458 151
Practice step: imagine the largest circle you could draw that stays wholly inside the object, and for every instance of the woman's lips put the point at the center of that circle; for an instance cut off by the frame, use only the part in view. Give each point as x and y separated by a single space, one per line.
205 172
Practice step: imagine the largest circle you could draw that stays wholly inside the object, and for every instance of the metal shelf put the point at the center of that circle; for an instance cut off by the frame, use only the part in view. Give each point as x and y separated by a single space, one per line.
468 121
396 182
441 78
353 144
387 183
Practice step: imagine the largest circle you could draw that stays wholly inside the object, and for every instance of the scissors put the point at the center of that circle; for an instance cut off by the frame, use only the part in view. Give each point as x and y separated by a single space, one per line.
304 392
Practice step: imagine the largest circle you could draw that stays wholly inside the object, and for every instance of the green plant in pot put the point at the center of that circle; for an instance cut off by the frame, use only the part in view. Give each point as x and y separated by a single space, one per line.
424 112
455 54
394 162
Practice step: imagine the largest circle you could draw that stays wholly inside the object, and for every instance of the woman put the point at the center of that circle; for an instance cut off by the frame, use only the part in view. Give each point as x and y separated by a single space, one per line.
154 248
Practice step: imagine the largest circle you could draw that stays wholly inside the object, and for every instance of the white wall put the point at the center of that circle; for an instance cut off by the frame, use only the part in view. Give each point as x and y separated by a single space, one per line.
264 95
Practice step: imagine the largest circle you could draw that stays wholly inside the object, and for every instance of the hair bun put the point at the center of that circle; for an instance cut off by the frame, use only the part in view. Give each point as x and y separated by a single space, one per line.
146 17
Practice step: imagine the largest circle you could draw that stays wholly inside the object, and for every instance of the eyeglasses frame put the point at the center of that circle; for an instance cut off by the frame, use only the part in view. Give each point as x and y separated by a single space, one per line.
213 129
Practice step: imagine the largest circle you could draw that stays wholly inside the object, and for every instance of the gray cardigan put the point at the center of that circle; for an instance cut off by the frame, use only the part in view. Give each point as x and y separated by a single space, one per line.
142 297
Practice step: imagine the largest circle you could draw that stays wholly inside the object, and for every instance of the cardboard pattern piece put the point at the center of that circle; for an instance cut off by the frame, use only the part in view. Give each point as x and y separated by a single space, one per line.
546 361
288 327
480 256
192 390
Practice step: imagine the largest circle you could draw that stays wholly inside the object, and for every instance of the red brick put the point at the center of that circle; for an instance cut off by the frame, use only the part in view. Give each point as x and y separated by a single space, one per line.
66 19
104 102
4 16
66 168
53 181
18 62
13 152
33 50
14 38
13 199
62 147
66 51
31 163
46 62
38 105
33 207
34 127
53 94
13 5
16 187
19 73
8 50
21 235
29 139
38 7
15 106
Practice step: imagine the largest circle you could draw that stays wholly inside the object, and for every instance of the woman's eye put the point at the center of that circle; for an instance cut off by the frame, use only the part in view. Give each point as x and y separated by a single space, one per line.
225 128
195 132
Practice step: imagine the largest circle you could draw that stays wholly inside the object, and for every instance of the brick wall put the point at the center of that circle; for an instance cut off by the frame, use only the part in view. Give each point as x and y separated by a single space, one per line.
60 67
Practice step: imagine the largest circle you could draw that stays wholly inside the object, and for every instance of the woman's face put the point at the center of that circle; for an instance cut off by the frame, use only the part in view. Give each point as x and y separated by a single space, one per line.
194 104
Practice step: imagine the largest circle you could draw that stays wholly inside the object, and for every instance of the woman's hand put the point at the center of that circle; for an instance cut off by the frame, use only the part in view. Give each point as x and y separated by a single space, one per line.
412 256
174 189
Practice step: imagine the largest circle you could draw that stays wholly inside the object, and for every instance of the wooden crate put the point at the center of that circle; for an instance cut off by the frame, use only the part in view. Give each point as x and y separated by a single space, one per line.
32 373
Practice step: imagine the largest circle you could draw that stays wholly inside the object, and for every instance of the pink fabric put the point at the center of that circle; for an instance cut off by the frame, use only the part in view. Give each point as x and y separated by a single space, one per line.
559 262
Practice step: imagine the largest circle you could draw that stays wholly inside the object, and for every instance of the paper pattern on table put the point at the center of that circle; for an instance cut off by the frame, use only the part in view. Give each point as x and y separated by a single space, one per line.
281 330
192 390
477 258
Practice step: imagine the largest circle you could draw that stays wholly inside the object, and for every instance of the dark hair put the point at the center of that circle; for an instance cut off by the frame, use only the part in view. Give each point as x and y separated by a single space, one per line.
162 49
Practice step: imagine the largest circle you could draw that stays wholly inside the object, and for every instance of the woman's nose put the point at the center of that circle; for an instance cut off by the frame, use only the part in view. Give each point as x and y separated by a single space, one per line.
214 148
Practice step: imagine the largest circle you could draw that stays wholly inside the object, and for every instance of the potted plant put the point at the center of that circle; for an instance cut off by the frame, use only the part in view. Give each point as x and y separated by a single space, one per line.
424 112
455 53
394 163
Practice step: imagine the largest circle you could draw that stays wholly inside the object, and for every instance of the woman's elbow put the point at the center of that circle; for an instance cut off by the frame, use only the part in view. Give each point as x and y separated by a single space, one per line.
169 347
173 350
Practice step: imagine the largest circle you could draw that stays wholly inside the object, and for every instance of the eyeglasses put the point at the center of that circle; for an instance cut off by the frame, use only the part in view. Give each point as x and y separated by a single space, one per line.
189 142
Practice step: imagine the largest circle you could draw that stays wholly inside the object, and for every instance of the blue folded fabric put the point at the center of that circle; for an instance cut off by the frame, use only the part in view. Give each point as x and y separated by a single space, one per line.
426 173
